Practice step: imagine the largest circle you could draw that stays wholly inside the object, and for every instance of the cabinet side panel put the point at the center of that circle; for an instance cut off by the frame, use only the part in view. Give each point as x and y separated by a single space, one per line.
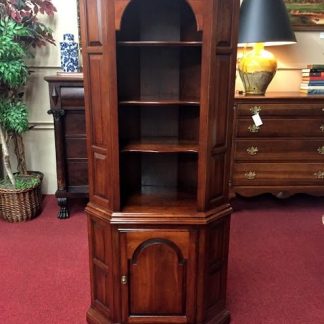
217 95
98 41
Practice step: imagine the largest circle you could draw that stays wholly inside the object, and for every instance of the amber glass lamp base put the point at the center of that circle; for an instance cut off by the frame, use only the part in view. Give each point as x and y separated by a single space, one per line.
257 68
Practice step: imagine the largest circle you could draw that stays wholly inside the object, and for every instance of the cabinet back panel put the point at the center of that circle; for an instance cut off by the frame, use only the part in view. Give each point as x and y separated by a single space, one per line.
159 121
190 73
159 73
128 67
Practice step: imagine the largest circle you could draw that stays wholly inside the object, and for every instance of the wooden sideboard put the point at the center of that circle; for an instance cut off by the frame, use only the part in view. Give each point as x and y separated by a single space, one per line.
283 156
67 107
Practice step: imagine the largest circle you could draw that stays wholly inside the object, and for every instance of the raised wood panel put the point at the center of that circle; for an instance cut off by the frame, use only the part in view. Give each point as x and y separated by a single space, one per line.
95 23
160 265
100 176
100 288
100 242
217 241
157 279
224 30
220 100
97 101
217 179
99 264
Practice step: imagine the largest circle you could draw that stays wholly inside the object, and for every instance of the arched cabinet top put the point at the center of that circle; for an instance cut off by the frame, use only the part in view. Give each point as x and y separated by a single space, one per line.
195 5
158 241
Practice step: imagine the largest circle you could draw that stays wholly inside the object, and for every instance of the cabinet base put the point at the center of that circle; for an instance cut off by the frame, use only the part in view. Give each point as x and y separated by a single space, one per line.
95 317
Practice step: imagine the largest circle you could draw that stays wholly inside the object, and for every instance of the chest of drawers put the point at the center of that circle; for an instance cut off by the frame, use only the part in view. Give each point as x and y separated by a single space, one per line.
284 155
67 107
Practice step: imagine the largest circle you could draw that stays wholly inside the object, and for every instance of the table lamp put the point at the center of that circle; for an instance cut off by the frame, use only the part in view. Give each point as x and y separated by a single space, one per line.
262 22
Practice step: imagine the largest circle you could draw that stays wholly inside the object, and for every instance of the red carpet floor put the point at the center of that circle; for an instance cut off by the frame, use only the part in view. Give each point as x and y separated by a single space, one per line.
276 264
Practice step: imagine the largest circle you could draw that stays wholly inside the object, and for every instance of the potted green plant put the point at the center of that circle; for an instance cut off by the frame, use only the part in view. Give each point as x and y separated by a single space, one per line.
20 31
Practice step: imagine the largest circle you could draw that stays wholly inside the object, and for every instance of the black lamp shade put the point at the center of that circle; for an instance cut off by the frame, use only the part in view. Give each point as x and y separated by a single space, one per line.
265 21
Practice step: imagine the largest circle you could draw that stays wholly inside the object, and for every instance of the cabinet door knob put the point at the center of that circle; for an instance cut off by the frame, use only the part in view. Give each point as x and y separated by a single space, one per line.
250 175
252 150
320 150
123 280
255 110
253 129
319 174
322 128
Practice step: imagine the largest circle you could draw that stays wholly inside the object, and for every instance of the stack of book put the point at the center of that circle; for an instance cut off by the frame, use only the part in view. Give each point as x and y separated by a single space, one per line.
313 79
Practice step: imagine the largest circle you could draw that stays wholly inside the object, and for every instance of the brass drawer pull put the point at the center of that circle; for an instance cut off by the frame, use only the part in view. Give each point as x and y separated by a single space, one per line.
322 128
252 150
123 280
250 175
319 174
254 129
320 150
255 110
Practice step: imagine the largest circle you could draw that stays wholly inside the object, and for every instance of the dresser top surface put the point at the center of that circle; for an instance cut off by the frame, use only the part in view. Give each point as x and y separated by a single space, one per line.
280 95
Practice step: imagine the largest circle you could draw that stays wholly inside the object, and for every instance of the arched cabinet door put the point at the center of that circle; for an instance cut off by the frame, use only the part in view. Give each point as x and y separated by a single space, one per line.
155 270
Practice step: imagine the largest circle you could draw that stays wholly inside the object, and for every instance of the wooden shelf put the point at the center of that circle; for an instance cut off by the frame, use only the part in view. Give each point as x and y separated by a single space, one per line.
160 145
155 199
170 102
160 43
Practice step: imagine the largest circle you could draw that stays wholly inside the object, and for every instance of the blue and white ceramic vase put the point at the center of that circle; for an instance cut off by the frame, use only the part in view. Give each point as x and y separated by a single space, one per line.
69 54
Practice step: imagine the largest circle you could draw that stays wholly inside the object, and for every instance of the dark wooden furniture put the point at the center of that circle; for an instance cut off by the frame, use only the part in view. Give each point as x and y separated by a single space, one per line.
283 156
159 157
67 107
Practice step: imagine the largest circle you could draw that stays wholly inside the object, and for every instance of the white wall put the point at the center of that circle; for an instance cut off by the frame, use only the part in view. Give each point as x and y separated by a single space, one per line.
40 148
39 142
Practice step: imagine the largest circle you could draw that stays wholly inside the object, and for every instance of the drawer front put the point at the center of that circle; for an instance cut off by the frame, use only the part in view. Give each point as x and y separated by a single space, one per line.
74 123
72 96
76 148
254 174
77 173
281 109
279 150
281 128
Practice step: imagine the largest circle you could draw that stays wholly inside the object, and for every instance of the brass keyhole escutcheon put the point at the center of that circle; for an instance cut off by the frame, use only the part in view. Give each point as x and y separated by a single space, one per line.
322 128
123 280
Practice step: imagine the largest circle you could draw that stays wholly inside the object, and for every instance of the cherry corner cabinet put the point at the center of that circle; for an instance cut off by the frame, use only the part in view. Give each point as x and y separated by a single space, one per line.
159 89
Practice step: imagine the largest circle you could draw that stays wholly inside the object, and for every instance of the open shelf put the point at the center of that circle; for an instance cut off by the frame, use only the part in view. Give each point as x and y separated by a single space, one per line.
170 102
159 179
159 43
161 145
153 200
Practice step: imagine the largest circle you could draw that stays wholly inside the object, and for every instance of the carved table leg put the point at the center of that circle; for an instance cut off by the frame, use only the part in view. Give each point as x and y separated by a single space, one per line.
63 212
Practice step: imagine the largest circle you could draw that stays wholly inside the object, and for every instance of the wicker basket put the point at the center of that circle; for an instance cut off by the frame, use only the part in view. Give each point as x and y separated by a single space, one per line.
21 205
